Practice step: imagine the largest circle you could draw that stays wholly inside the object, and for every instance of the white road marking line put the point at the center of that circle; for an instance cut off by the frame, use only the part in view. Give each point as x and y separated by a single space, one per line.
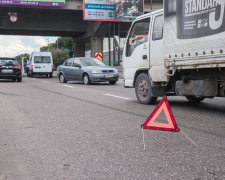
117 96
68 86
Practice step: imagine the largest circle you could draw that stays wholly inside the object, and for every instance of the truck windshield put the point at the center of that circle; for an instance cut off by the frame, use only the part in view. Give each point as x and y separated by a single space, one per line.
138 35
8 62
42 59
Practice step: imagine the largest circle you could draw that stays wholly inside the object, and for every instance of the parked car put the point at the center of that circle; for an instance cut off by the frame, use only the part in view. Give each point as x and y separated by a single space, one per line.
87 70
10 69
41 63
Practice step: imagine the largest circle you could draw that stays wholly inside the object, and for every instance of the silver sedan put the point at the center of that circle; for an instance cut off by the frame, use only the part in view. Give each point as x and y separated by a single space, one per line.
87 70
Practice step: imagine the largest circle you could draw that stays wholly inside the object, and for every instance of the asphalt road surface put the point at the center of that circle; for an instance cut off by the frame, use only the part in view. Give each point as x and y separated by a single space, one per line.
50 130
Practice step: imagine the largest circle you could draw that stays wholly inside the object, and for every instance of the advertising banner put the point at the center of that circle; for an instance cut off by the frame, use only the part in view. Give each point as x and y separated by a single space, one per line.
112 10
34 2
194 26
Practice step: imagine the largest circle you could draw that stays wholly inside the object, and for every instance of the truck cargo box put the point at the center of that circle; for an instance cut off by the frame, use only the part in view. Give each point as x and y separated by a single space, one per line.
194 34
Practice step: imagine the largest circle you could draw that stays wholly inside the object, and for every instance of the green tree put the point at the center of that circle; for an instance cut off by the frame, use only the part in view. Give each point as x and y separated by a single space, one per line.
58 50
59 56
66 43
19 57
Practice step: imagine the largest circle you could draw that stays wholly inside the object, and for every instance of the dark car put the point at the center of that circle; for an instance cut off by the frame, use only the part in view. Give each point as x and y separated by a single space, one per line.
87 70
10 69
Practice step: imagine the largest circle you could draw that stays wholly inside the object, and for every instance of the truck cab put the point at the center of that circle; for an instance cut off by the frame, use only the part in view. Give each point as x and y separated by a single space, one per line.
143 55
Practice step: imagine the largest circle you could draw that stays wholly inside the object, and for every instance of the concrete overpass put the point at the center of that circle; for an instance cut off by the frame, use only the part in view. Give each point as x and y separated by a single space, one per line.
61 21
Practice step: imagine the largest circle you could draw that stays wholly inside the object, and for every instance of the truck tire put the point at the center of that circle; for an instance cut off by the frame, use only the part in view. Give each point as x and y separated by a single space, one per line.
194 99
143 89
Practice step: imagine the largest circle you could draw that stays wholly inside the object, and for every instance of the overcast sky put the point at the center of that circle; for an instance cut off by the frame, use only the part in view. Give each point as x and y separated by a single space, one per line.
11 46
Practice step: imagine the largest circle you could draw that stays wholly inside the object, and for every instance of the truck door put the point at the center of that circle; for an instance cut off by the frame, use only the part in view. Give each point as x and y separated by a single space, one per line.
136 54
156 53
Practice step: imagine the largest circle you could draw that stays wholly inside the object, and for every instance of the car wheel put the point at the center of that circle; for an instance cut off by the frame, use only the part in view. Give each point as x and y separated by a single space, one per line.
86 79
62 79
143 89
19 79
194 99
46 75
112 82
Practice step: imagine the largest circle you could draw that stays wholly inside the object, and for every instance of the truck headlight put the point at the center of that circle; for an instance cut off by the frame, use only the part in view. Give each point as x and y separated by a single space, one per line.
96 71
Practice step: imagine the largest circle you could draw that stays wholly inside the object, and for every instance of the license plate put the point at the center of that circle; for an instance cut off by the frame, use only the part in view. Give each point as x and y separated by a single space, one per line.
7 70
109 76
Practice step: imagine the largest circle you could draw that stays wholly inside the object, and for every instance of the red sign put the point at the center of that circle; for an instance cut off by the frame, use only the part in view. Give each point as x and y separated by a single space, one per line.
162 106
13 18
98 56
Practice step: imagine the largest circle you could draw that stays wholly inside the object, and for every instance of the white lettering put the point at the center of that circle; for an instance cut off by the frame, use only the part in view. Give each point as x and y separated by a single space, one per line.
194 6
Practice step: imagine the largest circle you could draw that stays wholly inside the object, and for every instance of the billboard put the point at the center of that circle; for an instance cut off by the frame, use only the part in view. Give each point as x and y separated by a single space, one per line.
112 10
34 2
194 26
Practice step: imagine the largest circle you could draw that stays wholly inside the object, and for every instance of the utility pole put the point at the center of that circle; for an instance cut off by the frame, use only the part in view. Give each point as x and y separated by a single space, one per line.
109 41
119 44
48 44
114 55
151 4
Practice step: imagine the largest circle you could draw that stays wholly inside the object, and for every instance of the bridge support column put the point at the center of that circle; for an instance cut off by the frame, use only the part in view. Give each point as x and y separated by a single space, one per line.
96 46
80 49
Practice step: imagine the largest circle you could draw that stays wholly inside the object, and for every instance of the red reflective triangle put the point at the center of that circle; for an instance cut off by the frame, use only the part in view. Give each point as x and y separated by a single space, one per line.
162 106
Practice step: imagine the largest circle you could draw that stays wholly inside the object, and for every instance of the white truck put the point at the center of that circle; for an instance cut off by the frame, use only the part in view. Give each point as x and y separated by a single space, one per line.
177 51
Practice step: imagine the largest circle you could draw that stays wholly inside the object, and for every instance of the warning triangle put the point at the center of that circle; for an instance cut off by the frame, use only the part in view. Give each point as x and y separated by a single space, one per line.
163 107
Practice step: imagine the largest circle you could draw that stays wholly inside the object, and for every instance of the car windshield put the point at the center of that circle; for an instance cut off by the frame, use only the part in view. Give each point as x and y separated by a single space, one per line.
91 62
42 59
8 62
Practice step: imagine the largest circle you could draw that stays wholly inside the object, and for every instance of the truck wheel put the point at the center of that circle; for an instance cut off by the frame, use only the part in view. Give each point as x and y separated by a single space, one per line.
50 75
194 99
143 89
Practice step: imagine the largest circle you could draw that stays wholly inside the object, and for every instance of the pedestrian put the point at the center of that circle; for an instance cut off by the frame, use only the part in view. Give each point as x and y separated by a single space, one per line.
27 65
